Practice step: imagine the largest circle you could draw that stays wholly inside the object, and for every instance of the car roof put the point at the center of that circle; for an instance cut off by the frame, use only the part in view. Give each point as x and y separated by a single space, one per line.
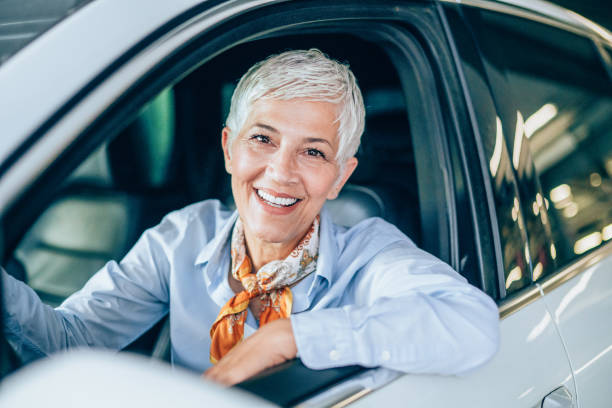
43 76
21 22
544 11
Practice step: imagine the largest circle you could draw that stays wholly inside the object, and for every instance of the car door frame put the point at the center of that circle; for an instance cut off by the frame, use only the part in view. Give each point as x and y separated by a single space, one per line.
531 362
568 288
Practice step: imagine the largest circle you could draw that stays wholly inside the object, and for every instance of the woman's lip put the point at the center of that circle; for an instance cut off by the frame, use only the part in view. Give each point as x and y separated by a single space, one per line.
276 194
274 209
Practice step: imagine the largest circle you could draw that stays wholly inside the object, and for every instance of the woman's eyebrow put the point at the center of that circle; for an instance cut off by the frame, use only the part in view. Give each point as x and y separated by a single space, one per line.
317 140
267 127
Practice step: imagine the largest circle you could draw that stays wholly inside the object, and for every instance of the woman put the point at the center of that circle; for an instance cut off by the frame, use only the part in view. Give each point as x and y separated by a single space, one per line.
252 288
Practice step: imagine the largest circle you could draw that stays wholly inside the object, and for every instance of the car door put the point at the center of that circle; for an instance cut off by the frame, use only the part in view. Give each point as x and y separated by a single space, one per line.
531 365
563 91
579 295
556 94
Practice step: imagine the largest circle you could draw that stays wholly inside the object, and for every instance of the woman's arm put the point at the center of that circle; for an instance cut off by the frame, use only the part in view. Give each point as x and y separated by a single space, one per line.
120 302
412 313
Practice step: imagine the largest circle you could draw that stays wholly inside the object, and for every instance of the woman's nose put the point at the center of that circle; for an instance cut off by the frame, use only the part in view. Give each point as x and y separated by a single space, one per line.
282 167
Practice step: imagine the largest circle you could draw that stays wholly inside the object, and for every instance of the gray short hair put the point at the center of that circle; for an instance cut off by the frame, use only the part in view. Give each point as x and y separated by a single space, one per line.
308 74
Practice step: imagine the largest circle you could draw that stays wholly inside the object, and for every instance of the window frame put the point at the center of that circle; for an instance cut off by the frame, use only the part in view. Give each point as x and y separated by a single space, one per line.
482 110
604 49
531 292
522 184
470 147
157 78
510 104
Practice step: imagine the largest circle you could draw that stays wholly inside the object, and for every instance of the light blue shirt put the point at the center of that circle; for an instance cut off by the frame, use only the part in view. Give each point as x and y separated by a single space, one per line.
375 299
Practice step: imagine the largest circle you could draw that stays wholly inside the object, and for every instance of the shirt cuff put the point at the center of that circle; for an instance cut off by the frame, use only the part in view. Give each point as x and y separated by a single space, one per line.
323 338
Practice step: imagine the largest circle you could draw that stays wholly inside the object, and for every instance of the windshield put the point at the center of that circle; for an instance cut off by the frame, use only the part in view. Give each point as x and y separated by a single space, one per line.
22 21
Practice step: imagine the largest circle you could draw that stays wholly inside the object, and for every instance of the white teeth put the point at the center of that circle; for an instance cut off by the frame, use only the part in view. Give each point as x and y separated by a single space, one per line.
278 201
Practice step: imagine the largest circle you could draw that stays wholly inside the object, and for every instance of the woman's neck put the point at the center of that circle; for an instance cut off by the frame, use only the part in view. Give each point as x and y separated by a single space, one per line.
262 252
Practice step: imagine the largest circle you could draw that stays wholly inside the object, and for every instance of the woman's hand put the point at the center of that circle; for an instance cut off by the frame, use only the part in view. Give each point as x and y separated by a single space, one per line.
272 344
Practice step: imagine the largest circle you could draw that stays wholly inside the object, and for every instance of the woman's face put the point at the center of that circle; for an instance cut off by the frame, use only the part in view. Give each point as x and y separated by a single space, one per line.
283 168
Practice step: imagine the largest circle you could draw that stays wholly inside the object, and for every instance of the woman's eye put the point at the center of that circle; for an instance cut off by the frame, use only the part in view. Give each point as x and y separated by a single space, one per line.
261 138
315 152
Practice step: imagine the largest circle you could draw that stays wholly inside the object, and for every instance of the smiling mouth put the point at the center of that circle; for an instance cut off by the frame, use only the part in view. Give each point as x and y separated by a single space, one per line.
278 202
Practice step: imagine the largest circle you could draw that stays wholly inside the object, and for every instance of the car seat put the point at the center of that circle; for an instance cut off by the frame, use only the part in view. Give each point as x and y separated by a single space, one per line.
101 210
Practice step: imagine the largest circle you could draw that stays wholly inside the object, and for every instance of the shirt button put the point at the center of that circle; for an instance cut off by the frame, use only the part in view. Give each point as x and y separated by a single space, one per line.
334 355
385 355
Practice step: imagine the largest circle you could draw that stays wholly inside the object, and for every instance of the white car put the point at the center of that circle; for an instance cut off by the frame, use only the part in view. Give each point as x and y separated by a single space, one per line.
488 141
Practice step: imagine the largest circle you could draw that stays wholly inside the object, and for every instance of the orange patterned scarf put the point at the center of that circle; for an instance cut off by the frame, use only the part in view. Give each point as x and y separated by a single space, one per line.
271 283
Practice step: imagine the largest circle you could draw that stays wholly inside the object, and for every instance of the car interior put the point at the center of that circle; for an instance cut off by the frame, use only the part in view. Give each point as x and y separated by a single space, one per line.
169 156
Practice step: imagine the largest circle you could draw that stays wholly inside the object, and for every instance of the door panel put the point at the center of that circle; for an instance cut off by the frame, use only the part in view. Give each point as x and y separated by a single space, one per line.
581 309
550 82
529 365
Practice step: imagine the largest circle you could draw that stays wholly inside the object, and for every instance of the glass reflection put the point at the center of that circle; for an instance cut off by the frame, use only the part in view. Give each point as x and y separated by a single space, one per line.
518 140
606 232
570 136
560 193
595 179
510 217
515 275
497 150
537 271
588 242
570 210
540 118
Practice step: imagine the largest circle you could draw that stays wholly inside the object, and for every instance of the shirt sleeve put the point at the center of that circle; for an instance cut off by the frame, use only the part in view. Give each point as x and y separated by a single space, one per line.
119 303
411 312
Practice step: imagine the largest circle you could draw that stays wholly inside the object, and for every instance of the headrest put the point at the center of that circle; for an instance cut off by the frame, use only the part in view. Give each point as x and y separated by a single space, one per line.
354 204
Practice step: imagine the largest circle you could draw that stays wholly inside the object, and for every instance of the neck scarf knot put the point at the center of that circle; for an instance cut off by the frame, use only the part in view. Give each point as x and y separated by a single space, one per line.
271 283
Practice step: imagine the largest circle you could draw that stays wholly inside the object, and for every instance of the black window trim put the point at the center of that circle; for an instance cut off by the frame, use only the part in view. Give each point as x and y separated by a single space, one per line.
493 74
491 216
475 169
604 50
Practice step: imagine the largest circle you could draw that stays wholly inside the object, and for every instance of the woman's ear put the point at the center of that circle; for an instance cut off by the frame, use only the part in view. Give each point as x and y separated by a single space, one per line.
347 170
226 153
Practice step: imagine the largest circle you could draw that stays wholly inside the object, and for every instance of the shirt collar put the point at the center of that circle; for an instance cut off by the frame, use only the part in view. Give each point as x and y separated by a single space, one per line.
215 245
214 250
305 291
328 248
